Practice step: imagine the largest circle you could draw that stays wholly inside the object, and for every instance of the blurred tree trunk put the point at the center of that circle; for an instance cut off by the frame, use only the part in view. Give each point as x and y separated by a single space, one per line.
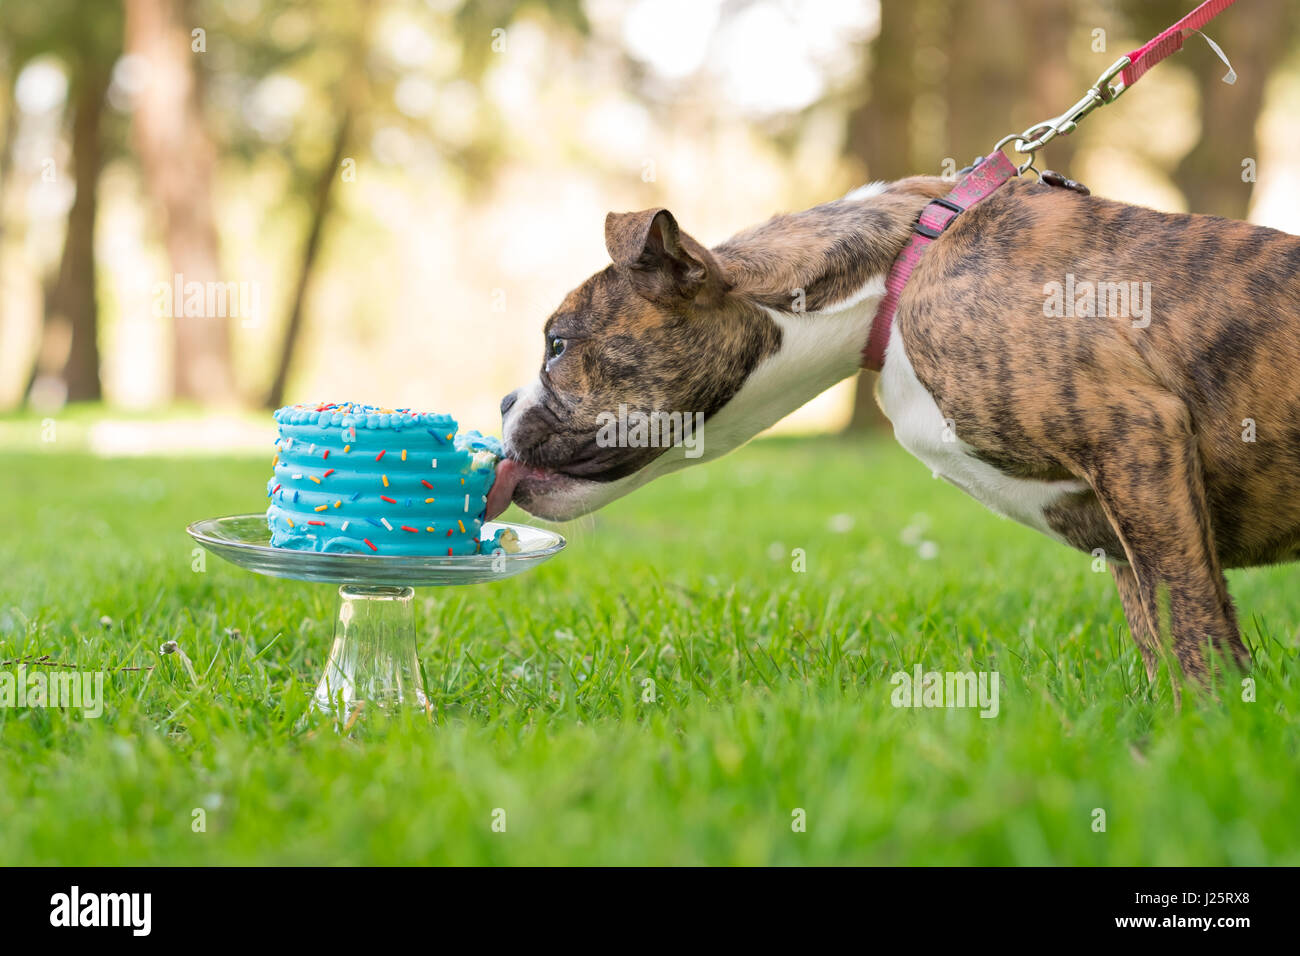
6 166
988 74
353 87
1053 83
11 128
880 135
880 130
320 211
69 351
1254 37
179 161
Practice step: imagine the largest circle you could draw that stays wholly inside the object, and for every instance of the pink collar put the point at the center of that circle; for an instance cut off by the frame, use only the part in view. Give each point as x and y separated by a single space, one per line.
980 183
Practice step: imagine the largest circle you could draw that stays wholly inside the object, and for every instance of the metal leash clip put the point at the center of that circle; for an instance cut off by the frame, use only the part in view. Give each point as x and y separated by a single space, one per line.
1040 134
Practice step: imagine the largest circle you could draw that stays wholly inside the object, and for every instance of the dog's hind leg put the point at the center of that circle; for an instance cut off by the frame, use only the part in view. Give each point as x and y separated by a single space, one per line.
1151 488
1130 596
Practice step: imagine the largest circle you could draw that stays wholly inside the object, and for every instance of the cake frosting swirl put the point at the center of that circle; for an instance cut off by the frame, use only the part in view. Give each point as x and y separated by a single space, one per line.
368 480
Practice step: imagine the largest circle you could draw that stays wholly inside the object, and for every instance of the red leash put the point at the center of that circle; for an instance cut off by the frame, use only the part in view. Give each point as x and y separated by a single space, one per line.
1171 41
995 169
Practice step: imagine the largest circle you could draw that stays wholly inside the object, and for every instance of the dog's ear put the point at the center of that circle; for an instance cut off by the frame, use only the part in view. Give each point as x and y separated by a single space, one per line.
664 264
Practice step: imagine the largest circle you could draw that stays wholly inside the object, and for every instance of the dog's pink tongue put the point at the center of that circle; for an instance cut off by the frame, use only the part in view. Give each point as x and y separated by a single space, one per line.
502 491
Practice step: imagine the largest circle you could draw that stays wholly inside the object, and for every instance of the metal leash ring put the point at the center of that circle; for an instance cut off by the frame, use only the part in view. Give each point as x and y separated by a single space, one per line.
1017 141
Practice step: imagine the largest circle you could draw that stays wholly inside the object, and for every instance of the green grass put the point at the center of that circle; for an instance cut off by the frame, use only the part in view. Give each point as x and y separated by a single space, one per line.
771 688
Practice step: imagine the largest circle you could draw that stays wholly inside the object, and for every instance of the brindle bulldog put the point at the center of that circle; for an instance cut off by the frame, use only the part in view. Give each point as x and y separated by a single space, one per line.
1164 434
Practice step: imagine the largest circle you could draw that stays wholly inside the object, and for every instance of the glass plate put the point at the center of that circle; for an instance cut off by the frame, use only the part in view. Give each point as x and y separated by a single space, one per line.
245 540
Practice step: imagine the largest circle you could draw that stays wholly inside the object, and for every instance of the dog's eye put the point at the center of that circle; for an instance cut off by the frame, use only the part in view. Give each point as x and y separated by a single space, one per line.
556 347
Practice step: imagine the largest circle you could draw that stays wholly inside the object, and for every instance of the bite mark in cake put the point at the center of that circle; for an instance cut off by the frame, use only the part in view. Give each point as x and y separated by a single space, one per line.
367 480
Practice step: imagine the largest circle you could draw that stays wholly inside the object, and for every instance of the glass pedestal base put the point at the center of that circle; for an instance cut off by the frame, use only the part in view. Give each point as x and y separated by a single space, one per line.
373 662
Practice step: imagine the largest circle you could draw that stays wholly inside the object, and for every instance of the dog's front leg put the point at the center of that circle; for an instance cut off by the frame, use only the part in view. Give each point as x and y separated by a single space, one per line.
1152 491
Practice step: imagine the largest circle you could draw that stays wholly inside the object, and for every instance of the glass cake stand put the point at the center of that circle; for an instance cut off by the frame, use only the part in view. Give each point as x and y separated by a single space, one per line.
373 660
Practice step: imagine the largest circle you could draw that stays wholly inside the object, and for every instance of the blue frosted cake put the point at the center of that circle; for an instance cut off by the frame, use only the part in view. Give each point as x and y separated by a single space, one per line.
355 478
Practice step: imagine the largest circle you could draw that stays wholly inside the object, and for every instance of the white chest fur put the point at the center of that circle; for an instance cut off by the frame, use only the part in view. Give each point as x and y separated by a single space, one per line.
921 428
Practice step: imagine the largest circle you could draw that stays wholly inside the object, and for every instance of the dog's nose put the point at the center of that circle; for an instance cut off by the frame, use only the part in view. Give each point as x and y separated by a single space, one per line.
508 402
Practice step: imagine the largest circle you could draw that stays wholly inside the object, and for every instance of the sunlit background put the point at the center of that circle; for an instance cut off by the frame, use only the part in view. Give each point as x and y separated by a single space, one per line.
420 181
